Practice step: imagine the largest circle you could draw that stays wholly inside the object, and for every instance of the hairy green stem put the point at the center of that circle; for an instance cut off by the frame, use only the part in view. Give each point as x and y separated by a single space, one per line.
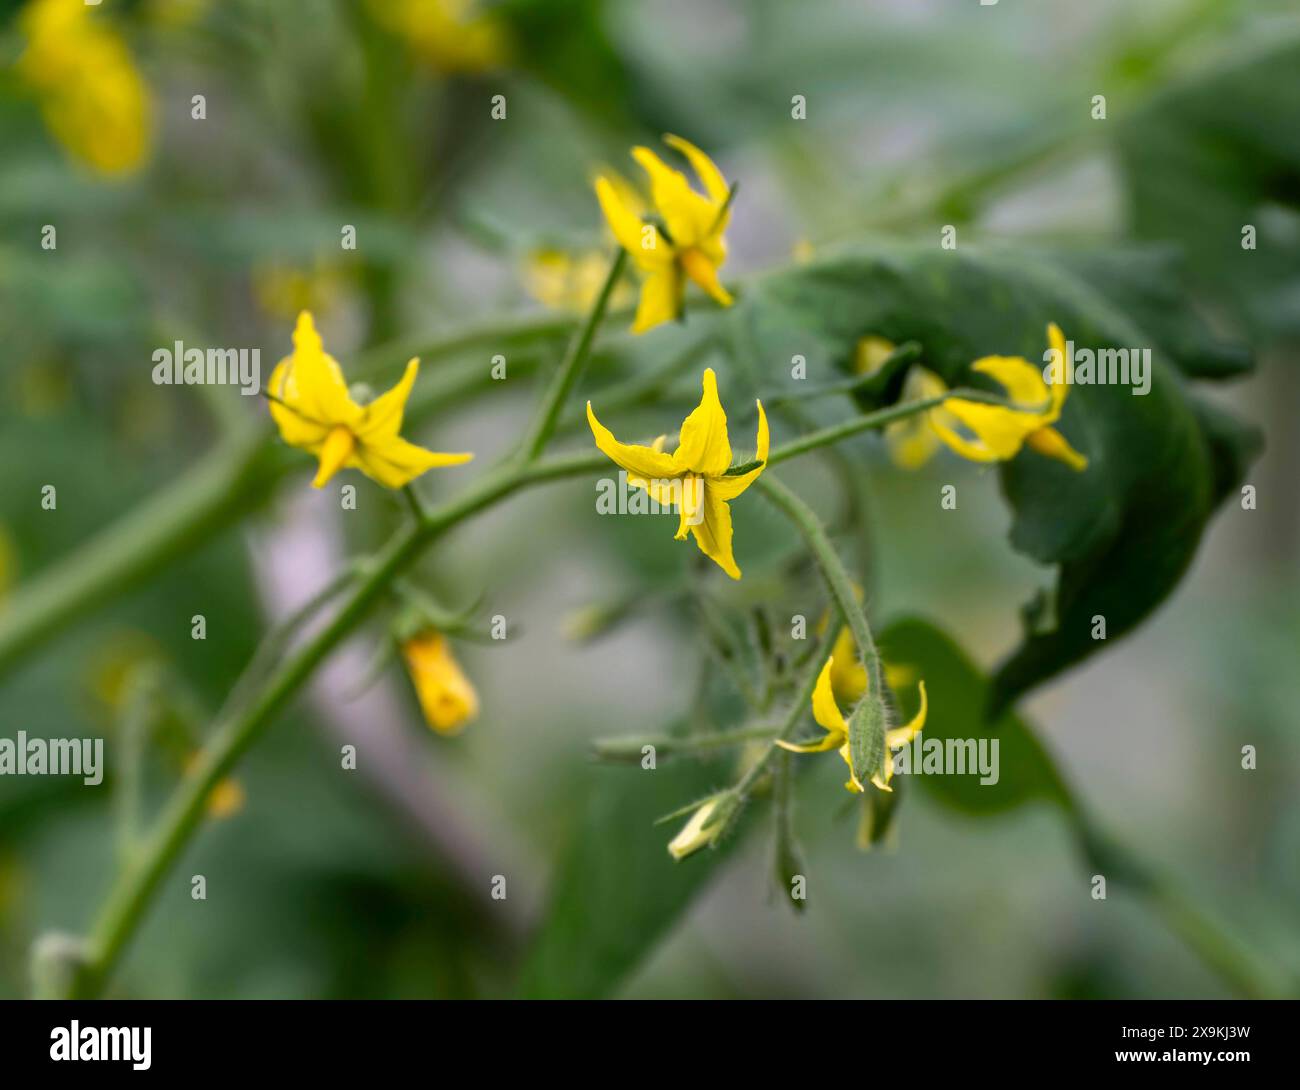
800 705
672 745
833 571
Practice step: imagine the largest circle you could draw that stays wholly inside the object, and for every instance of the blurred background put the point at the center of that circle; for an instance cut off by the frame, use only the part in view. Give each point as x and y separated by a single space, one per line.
217 229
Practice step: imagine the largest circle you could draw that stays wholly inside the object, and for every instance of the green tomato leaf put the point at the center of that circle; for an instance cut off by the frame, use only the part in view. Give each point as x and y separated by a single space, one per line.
1213 162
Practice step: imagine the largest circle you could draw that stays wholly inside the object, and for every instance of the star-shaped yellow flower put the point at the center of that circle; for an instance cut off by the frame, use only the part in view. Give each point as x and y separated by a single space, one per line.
694 476
686 240
997 433
828 716
313 409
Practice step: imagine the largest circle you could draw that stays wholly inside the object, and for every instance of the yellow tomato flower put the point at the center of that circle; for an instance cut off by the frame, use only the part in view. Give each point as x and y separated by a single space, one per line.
828 716
447 698
911 442
569 281
313 410
694 476
997 433
92 96
686 241
449 35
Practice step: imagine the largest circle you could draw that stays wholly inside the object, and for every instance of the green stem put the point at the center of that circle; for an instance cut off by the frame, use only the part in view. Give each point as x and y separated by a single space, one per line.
672 745
138 716
800 705
274 643
180 517
785 854
562 382
837 578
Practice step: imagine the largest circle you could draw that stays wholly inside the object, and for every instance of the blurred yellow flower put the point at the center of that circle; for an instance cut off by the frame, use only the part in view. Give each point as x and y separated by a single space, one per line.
995 433
92 96
311 406
284 290
569 281
830 719
695 476
911 442
449 35
447 697
116 661
683 240
225 799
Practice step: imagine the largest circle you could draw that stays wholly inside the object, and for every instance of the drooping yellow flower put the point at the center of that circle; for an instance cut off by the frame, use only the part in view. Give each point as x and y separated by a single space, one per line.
828 716
449 35
911 442
684 239
447 697
996 433
92 96
694 477
569 281
311 405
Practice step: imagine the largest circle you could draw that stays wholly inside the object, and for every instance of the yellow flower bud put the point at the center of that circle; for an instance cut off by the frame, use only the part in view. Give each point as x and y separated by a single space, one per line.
695 835
446 695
